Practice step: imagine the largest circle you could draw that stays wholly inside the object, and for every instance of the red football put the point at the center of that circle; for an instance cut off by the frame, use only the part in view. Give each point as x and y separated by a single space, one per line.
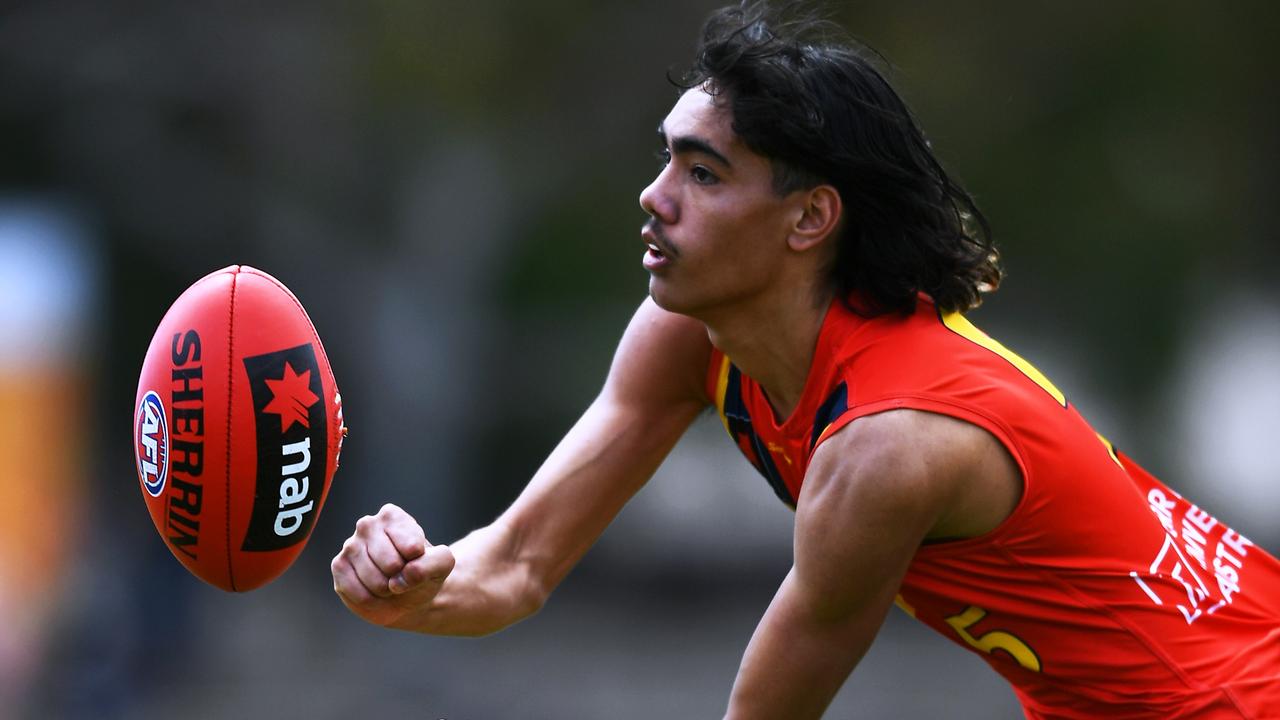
237 428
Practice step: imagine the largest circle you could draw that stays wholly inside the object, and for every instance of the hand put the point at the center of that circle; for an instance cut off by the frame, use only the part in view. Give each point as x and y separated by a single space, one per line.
387 573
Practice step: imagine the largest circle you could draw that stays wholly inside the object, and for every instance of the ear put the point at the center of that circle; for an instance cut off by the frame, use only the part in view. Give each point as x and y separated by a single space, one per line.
819 215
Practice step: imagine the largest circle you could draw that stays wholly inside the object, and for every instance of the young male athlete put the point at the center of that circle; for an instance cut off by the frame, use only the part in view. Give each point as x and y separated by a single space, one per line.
810 262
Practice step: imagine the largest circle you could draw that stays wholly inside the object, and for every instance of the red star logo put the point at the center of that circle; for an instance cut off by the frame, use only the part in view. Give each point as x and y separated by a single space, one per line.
291 398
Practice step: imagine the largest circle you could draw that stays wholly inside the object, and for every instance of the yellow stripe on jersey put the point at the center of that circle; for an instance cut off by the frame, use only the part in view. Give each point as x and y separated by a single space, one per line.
960 325
722 386
1111 449
902 603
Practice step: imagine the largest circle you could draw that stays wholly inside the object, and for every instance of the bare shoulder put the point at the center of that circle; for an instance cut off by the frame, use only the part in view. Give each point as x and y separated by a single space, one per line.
874 491
955 476
662 358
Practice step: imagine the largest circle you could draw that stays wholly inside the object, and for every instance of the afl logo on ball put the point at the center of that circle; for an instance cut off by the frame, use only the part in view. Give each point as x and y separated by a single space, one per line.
151 443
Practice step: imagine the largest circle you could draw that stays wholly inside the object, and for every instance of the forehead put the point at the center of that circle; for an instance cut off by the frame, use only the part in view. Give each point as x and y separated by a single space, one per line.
698 114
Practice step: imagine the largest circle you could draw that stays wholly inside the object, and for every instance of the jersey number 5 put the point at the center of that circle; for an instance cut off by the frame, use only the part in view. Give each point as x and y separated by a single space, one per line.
994 640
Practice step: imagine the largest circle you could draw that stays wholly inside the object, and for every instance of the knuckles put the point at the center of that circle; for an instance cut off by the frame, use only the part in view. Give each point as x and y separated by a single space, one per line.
387 515
350 549
444 563
347 581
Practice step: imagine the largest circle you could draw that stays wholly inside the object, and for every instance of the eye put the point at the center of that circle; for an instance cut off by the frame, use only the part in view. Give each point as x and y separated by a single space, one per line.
663 156
703 176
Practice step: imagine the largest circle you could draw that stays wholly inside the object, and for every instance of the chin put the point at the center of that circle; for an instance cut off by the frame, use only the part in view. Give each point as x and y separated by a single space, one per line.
662 296
665 298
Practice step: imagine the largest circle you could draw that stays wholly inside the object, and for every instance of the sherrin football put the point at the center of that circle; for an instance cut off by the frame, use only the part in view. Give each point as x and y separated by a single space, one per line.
237 428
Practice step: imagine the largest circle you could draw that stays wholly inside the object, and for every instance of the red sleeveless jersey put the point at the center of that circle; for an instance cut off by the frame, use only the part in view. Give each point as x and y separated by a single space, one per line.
1104 594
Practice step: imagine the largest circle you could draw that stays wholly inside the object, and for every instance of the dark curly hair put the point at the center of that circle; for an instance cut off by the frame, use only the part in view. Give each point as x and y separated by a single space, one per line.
816 105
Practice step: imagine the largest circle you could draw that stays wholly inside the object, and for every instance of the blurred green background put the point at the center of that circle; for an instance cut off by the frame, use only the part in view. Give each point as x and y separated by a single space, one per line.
451 190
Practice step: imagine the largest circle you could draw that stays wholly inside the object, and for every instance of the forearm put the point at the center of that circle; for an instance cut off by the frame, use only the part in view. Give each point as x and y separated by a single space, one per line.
505 571
388 574
798 659
488 590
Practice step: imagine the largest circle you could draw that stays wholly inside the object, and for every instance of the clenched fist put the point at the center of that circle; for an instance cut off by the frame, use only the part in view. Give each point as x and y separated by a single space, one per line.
387 573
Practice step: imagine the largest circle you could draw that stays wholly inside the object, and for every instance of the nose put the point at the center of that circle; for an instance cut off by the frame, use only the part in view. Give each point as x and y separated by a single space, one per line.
656 201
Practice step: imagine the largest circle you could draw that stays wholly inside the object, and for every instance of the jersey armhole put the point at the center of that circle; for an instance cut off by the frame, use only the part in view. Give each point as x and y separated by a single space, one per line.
950 409
926 404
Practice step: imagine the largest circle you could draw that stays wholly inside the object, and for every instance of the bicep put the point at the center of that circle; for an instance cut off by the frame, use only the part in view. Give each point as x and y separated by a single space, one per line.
661 362
868 502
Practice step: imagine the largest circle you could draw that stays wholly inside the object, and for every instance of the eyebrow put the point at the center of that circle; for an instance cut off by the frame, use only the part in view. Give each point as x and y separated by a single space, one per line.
693 144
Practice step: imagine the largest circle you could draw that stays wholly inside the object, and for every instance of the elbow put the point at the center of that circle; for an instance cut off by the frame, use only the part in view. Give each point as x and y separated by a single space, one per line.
524 601
523 605
534 597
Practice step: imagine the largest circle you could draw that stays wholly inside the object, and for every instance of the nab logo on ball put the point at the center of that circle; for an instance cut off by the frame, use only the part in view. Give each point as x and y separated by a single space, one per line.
151 444
291 431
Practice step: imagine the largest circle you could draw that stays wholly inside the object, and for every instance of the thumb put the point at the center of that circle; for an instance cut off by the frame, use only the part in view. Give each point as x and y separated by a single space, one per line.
432 567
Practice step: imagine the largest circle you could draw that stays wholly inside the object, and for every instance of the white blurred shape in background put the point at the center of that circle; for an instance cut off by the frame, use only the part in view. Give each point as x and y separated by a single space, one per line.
49 301
48 283
1227 405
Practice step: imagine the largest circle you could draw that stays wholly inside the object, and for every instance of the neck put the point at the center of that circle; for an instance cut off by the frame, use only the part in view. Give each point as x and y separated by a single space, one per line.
773 341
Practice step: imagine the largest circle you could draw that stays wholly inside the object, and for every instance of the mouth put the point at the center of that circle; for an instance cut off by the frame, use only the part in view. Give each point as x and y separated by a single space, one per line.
656 239
654 259
658 252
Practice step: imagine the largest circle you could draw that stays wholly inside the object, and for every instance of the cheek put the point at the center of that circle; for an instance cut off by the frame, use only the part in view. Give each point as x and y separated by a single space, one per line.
747 238
742 258
739 232
730 219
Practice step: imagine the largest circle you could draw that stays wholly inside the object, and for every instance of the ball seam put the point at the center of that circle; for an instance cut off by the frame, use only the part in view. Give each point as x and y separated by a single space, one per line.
231 322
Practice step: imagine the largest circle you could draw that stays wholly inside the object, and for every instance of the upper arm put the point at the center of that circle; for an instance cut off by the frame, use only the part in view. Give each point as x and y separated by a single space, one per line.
873 492
653 391
660 363
885 483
